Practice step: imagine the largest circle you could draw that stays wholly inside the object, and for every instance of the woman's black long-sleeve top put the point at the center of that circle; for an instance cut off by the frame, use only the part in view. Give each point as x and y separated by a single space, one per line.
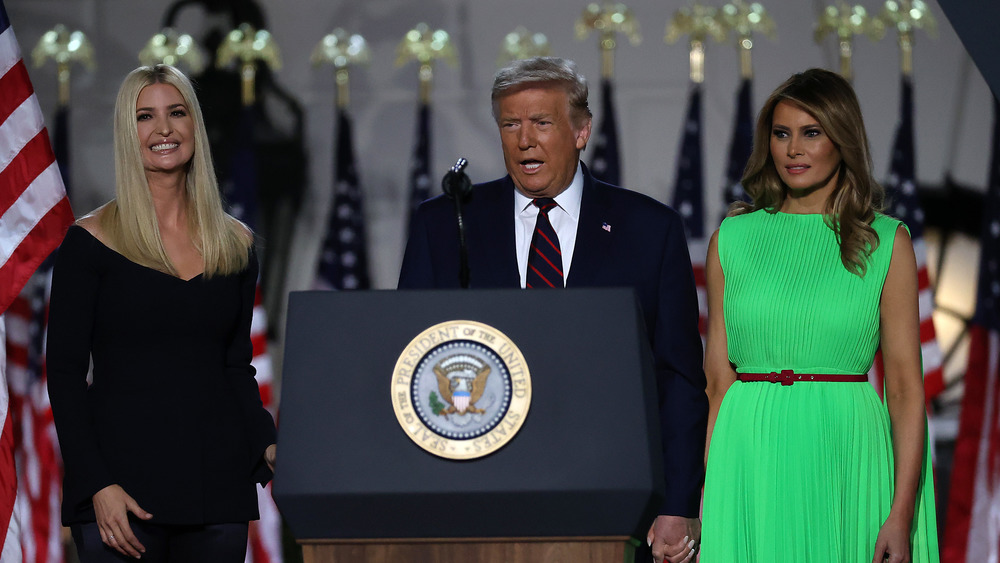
173 414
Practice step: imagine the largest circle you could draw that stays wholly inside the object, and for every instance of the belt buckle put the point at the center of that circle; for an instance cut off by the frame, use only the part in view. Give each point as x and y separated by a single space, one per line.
786 377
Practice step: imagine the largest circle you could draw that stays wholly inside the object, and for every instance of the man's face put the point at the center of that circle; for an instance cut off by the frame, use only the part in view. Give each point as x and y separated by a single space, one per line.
541 143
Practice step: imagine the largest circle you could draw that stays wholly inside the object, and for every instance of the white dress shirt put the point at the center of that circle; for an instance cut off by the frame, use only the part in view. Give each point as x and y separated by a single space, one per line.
565 217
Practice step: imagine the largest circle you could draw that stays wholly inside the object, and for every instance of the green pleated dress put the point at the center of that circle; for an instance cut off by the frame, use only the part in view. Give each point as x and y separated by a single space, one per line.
802 473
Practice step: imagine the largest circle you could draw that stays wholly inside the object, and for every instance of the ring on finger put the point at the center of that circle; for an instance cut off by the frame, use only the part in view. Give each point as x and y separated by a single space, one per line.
111 537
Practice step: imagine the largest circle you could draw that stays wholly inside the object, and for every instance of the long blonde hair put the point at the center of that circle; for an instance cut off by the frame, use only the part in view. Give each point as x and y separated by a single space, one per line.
851 208
129 221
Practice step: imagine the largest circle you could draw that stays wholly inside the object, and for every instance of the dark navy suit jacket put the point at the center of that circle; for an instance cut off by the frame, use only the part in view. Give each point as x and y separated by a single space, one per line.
624 239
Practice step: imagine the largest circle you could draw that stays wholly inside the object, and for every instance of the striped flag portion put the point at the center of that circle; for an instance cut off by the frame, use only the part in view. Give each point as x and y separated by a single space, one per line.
10 532
35 215
241 194
972 534
901 192
343 260
420 175
606 164
38 460
740 147
688 195
33 202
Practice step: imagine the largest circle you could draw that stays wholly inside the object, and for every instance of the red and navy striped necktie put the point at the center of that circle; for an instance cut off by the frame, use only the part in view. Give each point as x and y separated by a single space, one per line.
544 257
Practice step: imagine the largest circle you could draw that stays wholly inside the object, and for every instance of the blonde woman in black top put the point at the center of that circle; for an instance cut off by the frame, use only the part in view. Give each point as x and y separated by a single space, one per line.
164 447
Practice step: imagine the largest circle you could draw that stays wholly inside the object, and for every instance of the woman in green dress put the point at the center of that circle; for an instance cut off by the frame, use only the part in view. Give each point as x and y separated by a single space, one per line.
804 462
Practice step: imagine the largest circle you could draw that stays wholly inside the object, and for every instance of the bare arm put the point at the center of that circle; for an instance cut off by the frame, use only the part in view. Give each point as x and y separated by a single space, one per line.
904 394
718 371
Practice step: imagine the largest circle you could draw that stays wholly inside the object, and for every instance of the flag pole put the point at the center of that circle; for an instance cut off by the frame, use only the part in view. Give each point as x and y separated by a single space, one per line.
907 16
847 21
522 44
699 22
902 199
173 48
64 47
250 46
745 19
343 260
608 20
341 50
425 46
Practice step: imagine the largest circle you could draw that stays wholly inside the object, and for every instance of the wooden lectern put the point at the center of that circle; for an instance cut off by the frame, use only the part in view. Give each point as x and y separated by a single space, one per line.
580 482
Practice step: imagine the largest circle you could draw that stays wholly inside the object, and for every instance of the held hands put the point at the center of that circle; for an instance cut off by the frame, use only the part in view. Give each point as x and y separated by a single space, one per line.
674 539
269 455
893 541
112 505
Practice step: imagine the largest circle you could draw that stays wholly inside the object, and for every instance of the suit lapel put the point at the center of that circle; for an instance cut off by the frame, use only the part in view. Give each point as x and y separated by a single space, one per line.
496 265
593 241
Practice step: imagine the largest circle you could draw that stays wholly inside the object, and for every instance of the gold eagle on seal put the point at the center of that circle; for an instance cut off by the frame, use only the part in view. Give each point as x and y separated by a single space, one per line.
461 382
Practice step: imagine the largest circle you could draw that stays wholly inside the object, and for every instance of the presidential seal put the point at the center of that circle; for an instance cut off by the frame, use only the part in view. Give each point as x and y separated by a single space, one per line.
461 389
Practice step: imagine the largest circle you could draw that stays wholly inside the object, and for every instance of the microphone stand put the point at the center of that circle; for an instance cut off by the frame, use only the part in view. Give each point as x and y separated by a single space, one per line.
458 187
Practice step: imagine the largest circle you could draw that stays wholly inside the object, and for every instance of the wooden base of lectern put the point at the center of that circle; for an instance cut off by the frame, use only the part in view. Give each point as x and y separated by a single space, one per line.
487 550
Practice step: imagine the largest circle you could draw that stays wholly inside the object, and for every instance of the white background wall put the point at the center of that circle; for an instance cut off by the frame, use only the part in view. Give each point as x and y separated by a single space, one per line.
953 104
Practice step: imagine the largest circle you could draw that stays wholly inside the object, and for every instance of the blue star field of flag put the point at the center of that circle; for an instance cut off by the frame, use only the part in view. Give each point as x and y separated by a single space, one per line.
420 179
240 189
606 164
740 146
901 186
688 185
344 258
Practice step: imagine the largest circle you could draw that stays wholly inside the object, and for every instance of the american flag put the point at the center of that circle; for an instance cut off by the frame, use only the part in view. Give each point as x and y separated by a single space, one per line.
38 460
344 259
240 188
35 216
241 193
420 175
37 447
901 192
606 165
688 195
973 531
740 146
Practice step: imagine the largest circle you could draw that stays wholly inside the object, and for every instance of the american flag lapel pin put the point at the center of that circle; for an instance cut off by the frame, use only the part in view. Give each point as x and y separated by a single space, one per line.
606 227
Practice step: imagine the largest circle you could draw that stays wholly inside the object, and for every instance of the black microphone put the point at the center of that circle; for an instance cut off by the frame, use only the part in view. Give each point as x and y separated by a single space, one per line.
456 183
458 187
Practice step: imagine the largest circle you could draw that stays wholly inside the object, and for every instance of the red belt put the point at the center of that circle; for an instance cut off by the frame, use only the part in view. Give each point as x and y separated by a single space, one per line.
788 377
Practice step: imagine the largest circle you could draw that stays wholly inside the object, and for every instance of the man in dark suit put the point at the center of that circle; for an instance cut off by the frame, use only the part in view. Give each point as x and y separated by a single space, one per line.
549 223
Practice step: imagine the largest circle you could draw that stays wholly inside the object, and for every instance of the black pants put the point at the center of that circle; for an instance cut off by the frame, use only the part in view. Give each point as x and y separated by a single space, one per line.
213 543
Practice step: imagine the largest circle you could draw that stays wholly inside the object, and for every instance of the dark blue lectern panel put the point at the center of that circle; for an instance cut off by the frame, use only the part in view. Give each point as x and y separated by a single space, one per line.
585 462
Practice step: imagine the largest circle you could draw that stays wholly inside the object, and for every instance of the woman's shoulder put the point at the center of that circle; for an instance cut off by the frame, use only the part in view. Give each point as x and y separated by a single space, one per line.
92 223
886 225
239 229
81 245
744 220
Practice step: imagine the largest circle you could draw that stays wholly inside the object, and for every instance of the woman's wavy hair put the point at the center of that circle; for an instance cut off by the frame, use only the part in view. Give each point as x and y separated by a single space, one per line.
851 208
129 221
